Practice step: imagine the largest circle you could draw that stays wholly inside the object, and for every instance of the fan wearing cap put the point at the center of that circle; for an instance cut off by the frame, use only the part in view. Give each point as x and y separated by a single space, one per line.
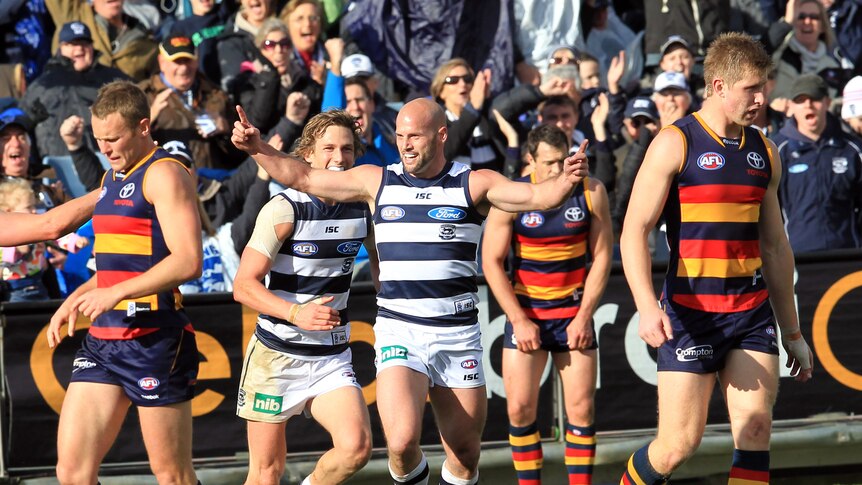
672 98
123 41
67 87
185 105
641 124
851 108
821 188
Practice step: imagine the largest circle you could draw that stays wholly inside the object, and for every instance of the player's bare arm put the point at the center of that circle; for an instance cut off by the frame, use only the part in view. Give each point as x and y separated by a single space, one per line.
580 330
270 231
57 222
661 163
359 184
168 186
778 268
490 188
495 250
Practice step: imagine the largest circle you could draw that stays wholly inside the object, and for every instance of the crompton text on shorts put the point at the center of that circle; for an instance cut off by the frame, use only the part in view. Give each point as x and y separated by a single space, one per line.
449 356
702 340
154 370
275 386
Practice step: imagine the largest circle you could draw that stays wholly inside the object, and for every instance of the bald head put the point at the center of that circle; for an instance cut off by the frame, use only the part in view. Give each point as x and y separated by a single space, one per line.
420 132
424 111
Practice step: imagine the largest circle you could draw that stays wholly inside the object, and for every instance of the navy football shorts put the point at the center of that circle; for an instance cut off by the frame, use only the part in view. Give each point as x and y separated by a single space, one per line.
702 340
154 370
552 334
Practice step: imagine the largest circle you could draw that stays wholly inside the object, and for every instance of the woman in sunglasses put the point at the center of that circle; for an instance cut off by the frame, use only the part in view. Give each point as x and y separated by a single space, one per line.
264 83
803 43
464 97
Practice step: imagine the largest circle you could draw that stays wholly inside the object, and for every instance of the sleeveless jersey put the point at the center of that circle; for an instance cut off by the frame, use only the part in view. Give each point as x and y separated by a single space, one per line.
128 242
427 233
316 261
712 214
549 257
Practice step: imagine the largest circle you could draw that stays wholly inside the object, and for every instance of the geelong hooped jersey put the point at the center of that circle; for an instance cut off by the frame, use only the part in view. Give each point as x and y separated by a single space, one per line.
712 215
549 257
129 241
316 261
427 233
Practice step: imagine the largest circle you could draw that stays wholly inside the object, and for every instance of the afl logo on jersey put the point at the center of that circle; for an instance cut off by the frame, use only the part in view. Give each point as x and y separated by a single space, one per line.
470 364
391 213
710 161
574 214
304 249
127 190
148 383
447 214
756 161
349 248
532 219
103 192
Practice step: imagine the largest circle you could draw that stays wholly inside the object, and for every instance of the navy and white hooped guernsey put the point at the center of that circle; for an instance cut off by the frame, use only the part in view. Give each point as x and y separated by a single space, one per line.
427 233
317 260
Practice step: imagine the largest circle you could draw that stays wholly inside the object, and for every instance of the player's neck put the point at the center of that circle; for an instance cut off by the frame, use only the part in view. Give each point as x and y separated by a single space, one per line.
712 113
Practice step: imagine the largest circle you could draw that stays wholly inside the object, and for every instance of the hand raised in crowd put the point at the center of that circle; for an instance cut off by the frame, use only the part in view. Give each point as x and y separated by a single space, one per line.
245 136
669 112
335 48
790 12
317 71
600 117
72 132
616 71
296 108
481 89
556 86
315 315
159 103
508 130
576 167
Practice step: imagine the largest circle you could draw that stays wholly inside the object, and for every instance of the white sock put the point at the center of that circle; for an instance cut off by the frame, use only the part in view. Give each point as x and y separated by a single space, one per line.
421 468
448 477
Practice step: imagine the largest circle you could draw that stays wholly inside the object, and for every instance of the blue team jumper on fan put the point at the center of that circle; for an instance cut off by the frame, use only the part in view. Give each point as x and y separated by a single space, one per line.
714 292
145 345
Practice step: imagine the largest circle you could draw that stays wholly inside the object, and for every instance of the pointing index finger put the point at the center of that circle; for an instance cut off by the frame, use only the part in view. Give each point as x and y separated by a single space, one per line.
242 117
583 147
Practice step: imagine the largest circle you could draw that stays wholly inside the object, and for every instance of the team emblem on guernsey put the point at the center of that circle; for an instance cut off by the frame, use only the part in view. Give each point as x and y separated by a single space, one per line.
127 190
532 219
574 214
447 231
349 248
756 161
391 213
447 214
304 248
148 383
710 161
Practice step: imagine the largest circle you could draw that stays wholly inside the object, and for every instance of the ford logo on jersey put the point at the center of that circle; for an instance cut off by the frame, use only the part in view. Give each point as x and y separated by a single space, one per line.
710 161
532 219
349 248
391 213
447 214
304 248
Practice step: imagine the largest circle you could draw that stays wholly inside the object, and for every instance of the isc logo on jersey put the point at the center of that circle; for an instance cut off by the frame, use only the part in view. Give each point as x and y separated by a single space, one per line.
349 248
391 213
532 219
304 249
447 214
710 161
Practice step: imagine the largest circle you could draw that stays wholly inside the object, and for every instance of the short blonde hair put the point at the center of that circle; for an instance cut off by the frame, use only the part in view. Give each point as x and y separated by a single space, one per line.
15 191
317 125
443 71
731 57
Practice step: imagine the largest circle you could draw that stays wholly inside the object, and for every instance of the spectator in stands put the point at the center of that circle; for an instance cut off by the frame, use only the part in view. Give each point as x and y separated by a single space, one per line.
609 35
641 124
263 85
851 110
236 43
359 66
672 97
304 19
13 81
462 94
124 43
802 43
186 106
67 87
16 145
821 184
769 120
24 267
206 21
677 56
360 104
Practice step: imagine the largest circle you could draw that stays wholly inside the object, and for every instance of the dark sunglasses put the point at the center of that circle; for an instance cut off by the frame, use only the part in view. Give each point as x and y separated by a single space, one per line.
810 16
562 61
270 44
468 78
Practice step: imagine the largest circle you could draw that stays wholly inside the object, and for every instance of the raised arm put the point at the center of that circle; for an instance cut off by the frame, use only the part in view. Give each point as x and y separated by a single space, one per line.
778 269
490 188
653 181
18 228
358 184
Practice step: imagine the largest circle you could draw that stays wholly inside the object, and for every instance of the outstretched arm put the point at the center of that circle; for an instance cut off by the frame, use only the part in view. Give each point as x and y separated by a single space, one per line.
358 184
18 228
490 188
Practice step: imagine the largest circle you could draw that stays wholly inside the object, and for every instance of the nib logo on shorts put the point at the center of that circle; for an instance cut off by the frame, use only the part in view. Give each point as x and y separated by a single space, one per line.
698 352
393 352
264 403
